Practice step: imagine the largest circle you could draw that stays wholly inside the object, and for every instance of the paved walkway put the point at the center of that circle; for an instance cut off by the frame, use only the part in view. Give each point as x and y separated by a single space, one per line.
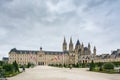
53 73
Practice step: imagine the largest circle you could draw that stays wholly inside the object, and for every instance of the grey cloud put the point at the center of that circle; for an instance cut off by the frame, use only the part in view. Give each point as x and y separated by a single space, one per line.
94 3
3 2
29 24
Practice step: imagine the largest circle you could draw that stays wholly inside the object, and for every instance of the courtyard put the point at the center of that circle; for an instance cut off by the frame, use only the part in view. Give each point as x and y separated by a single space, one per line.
53 73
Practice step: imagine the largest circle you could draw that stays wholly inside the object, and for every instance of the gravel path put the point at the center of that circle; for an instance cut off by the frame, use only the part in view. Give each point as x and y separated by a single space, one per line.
53 73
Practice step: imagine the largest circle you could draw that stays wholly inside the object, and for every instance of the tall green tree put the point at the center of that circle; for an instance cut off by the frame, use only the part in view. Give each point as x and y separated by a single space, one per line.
15 65
92 66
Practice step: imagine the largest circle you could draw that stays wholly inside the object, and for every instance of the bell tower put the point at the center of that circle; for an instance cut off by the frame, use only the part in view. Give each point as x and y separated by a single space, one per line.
77 46
71 45
89 48
64 45
94 51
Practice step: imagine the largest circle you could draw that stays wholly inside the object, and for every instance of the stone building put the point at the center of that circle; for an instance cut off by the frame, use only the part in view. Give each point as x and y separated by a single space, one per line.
5 59
67 56
38 57
113 57
71 55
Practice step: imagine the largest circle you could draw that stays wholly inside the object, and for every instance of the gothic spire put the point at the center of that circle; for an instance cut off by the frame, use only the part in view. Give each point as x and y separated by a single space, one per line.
64 41
89 46
71 45
64 45
71 40
82 44
94 50
78 43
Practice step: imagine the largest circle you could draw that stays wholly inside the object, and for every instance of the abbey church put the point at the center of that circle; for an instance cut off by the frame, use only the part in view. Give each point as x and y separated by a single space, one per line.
79 54
74 54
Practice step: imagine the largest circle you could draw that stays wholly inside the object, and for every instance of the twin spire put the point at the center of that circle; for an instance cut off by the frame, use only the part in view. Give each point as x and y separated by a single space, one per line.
78 45
70 45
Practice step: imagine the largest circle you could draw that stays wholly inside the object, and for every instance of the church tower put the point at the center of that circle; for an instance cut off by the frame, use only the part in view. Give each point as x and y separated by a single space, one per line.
94 51
64 45
82 45
78 45
89 48
82 48
71 45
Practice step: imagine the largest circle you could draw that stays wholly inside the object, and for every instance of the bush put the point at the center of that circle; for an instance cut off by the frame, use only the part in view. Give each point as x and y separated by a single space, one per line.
108 66
1 63
61 65
8 67
83 65
8 70
0 67
29 65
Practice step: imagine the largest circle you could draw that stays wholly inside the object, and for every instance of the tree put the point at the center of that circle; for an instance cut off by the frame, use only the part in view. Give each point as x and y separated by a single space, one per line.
83 65
15 65
92 66
29 65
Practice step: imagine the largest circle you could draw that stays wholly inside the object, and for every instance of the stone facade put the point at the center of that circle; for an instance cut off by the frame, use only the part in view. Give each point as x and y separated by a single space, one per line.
38 57
73 55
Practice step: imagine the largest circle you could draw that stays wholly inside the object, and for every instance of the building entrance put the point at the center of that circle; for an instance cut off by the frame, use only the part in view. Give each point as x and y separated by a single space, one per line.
40 63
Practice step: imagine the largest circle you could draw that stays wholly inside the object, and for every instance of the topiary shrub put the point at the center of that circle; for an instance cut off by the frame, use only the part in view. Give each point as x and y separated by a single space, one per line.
29 65
100 69
108 66
92 66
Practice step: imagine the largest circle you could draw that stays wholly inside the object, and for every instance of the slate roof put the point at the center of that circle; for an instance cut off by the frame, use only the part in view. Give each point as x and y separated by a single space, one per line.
5 58
78 43
23 51
35 52
114 53
85 48
55 52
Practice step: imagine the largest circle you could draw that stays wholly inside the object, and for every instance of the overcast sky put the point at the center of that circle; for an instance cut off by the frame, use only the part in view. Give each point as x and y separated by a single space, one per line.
29 24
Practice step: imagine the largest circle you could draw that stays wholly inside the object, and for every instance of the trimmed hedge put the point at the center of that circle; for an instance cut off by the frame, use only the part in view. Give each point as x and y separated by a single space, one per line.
108 66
